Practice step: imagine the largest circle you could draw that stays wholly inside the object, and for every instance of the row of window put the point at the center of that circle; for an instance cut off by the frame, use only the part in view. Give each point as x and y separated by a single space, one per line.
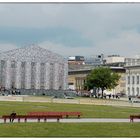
133 91
80 83
135 79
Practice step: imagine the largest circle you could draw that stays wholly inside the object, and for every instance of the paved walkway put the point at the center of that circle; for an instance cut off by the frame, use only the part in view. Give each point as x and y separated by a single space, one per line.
78 120
91 101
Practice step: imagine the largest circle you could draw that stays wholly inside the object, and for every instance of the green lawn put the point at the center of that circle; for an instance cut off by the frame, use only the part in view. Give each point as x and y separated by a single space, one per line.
70 130
52 129
89 111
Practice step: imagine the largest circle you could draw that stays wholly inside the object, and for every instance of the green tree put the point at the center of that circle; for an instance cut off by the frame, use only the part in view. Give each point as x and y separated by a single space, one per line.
103 78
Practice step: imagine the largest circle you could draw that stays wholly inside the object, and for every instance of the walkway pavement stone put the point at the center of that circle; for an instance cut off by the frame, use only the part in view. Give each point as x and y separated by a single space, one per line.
81 120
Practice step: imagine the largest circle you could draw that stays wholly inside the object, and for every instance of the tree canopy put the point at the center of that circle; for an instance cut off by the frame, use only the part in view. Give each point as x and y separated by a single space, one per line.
103 78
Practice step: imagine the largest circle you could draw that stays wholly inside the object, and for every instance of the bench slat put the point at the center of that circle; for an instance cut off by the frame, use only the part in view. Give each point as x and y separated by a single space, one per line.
57 113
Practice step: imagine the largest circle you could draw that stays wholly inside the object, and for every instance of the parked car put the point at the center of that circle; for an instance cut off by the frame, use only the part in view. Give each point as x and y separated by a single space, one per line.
121 94
135 100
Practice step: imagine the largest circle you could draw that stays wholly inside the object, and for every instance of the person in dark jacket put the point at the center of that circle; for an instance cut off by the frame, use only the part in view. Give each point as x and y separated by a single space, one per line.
12 116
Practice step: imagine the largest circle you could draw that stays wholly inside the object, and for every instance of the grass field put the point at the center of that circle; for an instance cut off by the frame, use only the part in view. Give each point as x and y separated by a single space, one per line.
70 130
52 129
89 111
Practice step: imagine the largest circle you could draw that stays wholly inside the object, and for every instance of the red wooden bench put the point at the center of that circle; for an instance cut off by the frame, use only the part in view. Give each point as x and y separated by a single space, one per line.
64 114
25 117
132 117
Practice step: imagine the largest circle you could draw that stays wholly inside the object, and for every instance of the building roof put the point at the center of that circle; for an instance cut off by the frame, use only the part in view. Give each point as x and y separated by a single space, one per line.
80 68
32 53
132 66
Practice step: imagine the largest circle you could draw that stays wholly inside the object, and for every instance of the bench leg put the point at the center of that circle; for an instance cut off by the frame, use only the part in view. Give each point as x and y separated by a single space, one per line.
45 119
131 119
25 120
10 119
19 120
4 120
78 116
38 119
67 116
57 119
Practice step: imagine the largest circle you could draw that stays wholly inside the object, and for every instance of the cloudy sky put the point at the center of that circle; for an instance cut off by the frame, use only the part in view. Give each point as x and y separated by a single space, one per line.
72 29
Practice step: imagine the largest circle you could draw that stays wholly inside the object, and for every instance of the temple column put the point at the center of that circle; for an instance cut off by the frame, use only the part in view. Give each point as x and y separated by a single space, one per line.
56 76
47 76
27 75
18 75
8 74
37 76
65 76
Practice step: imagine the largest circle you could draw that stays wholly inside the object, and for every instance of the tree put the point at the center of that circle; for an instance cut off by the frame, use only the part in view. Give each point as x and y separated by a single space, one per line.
103 78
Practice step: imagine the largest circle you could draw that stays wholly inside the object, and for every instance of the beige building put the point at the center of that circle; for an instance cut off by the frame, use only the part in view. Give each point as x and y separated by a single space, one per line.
77 78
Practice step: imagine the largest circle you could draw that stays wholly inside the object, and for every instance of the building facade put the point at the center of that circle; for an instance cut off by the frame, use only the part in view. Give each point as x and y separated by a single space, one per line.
33 67
114 60
132 76
77 78
95 60
133 80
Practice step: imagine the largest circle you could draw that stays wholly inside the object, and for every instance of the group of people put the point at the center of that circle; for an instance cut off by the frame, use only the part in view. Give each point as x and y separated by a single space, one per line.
15 92
4 91
109 96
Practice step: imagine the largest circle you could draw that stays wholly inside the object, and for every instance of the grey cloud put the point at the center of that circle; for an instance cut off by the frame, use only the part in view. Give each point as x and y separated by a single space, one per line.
106 25
127 44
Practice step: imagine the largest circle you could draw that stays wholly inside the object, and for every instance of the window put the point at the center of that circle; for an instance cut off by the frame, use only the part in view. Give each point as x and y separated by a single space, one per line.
133 91
133 79
137 79
70 83
128 79
137 91
128 91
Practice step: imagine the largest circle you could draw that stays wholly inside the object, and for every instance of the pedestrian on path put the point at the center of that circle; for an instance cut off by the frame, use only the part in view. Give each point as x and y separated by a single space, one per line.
130 99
